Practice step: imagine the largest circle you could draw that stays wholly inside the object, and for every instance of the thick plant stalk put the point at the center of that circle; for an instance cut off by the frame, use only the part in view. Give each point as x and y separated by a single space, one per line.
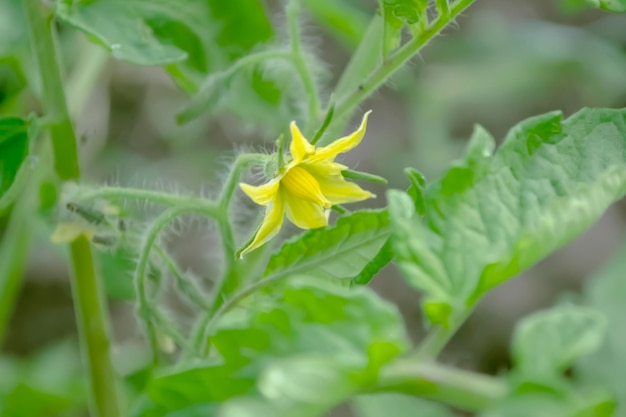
88 299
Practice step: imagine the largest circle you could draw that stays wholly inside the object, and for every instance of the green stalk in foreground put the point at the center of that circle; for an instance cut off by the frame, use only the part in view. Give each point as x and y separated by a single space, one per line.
463 389
88 299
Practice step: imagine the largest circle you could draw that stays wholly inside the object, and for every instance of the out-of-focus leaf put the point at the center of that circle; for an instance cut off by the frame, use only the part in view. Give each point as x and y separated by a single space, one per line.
396 405
335 252
117 273
489 218
550 341
477 76
191 38
13 149
301 354
606 292
49 383
343 19
13 28
609 5
547 405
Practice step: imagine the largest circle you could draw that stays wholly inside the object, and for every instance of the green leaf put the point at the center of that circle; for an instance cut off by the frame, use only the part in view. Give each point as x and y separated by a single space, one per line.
550 341
489 218
160 32
48 383
306 351
396 405
337 252
407 11
382 258
193 39
416 189
606 292
13 149
397 13
609 5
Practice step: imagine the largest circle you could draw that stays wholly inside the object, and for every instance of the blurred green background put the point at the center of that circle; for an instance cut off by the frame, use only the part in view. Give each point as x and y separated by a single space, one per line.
499 63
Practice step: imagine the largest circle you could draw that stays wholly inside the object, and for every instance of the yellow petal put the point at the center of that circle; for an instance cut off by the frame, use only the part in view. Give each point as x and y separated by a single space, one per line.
305 214
263 194
321 169
339 191
299 183
342 145
299 146
270 227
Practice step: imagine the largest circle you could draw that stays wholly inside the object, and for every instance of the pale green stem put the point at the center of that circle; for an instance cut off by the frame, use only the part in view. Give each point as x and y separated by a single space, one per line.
157 197
145 303
452 386
396 60
88 297
439 336
230 279
299 61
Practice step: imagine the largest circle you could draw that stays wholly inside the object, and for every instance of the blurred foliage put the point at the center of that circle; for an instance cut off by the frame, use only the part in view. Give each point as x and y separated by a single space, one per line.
47 384
305 348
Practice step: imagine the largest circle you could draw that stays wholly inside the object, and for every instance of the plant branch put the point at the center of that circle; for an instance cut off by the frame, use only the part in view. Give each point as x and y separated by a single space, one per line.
396 60
230 279
145 307
466 390
87 295
157 197
439 336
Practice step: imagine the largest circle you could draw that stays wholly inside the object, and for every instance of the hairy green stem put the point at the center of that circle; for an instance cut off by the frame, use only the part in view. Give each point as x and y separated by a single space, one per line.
230 279
87 294
455 387
396 60
299 61
145 307
157 197
242 163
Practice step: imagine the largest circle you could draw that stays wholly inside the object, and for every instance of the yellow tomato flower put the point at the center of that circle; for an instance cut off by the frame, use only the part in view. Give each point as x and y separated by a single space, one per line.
306 187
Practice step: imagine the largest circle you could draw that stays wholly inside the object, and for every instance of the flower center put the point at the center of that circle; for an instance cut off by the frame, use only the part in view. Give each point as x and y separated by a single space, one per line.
300 183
